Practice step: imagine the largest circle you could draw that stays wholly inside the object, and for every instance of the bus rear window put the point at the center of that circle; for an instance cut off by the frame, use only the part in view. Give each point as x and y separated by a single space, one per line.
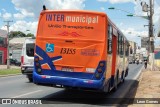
72 25
30 49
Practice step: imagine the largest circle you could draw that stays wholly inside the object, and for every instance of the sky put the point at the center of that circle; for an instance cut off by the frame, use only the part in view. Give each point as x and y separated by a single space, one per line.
25 13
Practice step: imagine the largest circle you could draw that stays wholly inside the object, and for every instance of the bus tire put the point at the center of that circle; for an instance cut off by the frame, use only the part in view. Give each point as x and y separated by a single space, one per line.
30 79
123 77
116 82
109 87
126 73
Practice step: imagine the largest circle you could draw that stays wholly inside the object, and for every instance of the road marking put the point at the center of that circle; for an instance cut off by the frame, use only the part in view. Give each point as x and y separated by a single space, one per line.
26 94
138 74
9 76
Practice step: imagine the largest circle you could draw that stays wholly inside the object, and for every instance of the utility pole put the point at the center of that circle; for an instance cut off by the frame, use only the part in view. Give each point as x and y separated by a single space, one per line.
8 61
151 35
150 10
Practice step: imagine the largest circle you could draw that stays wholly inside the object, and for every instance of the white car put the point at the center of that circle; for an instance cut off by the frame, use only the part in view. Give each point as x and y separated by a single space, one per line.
27 58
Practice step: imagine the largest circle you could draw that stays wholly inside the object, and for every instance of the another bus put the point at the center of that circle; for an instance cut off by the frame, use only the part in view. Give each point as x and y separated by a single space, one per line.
79 49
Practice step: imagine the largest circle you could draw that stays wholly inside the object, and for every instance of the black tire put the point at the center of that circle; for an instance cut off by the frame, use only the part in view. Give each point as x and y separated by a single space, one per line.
123 77
115 84
126 73
109 87
30 79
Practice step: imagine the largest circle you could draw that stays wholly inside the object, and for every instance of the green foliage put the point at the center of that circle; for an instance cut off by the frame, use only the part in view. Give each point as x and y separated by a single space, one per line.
29 35
14 34
9 71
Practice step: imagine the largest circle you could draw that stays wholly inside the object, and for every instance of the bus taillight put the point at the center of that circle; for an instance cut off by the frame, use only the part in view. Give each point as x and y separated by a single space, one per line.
22 60
37 65
100 70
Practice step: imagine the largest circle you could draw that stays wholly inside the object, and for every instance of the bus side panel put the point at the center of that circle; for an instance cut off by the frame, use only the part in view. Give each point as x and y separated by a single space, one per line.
114 48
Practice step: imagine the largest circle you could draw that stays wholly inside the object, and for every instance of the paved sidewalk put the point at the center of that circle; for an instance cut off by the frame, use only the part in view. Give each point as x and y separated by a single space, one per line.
148 87
5 67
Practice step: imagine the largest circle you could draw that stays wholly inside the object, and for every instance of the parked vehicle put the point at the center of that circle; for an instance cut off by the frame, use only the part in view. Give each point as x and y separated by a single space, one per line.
14 62
134 61
27 58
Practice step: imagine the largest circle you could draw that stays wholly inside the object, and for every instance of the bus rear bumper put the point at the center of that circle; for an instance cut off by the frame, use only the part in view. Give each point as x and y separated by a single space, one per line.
68 81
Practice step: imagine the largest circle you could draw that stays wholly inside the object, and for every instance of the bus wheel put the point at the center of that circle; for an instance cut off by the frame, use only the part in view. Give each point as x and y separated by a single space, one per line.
126 73
115 84
30 79
109 86
123 77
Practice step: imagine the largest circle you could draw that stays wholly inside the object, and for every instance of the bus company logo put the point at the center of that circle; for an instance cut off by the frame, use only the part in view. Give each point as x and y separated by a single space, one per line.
90 52
73 34
72 19
49 47
6 101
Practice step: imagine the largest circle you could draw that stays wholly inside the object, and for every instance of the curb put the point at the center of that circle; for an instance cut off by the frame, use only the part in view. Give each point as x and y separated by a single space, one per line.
128 87
9 75
132 83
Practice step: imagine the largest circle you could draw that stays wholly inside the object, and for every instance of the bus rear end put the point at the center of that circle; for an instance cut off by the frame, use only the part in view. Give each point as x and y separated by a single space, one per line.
70 49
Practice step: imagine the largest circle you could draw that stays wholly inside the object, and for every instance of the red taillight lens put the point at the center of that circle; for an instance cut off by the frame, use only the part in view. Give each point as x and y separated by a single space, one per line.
37 64
36 59
101 64
99 70
22 60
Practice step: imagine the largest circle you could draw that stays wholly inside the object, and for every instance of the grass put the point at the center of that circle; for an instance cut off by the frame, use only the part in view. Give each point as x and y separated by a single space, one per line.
9 71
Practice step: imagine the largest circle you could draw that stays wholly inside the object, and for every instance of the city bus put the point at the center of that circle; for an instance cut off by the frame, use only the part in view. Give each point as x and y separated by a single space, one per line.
79 49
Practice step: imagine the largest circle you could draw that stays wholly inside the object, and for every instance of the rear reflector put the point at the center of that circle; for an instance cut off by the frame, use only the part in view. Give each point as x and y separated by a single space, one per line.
90 70
22 60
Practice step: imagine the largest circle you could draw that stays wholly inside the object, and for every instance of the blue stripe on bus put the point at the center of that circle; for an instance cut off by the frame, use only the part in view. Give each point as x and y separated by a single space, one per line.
46 58
67 74
67 81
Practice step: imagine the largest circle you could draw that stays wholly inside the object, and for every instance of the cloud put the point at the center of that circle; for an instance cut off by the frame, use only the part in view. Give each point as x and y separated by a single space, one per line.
116 1
18 16
102 8
133 32
32 8
4 10
23 26
156 15
102 0
6 16
134 35
120 1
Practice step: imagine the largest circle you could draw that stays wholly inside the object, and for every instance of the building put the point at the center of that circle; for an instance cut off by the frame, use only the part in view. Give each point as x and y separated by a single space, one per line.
157 56
3 46
133 48
145 42
16 45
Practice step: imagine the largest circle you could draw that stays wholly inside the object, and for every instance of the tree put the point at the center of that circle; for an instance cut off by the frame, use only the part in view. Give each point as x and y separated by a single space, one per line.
30 35
14 34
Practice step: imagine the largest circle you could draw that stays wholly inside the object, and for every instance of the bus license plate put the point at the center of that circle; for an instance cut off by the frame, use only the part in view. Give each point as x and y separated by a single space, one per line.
67 69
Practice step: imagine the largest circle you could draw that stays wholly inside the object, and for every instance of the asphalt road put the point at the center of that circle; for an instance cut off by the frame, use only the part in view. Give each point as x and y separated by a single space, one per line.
19 87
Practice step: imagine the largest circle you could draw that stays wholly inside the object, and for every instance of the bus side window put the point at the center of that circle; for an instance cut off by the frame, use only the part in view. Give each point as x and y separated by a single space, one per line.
122 45
109 39
127 48
119 43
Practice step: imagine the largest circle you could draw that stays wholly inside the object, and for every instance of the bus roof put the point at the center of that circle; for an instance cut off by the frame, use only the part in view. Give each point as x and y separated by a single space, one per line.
75 11
87 12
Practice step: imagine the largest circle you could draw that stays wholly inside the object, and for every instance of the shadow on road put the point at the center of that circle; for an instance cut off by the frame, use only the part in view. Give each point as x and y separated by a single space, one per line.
130 96
93 98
